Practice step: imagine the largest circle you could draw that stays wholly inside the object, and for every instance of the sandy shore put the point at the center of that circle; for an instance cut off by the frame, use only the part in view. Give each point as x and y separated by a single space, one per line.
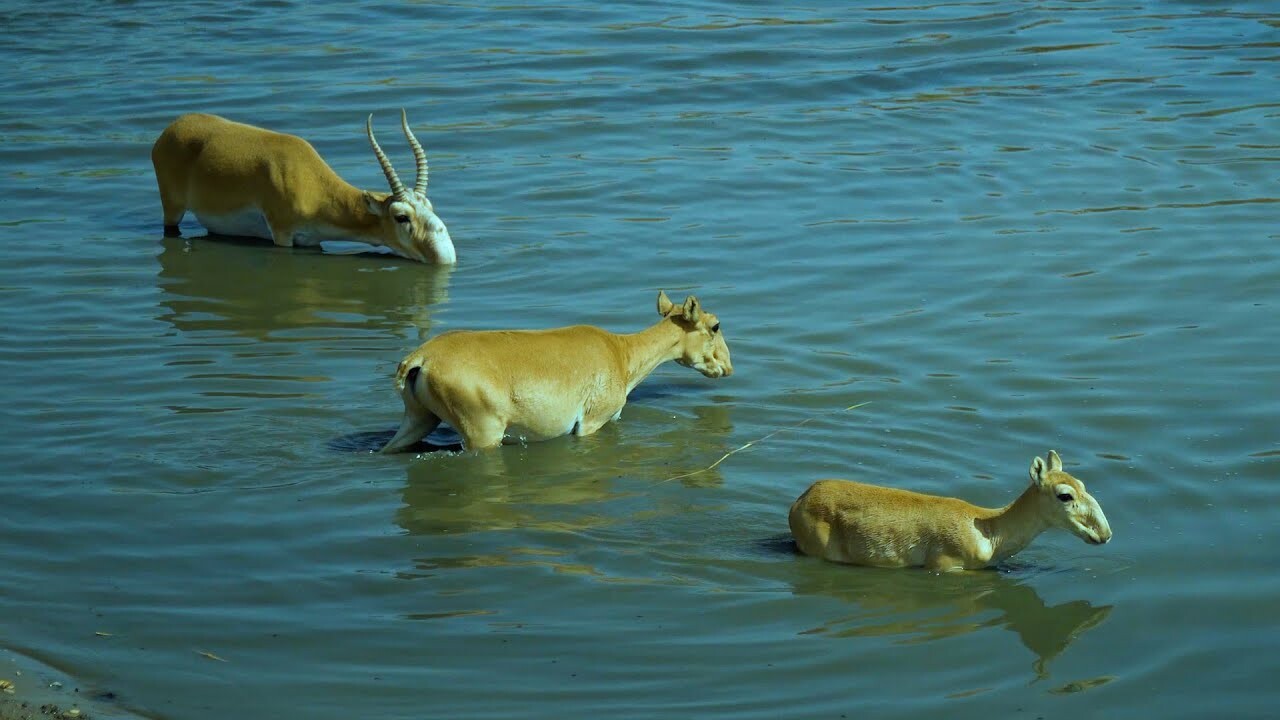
12 708
31 690
19 703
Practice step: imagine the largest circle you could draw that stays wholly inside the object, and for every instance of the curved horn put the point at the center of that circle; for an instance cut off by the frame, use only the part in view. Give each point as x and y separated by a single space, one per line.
419 156
397 188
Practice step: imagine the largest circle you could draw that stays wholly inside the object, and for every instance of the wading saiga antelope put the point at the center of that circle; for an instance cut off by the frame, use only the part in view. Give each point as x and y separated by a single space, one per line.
246 181
850 522
540 384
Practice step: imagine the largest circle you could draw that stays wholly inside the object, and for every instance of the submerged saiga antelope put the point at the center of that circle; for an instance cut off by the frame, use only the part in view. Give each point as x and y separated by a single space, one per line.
540 384
850 522
243 180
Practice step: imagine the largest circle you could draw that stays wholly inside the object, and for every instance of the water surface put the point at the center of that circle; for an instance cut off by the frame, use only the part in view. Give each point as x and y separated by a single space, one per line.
1007 227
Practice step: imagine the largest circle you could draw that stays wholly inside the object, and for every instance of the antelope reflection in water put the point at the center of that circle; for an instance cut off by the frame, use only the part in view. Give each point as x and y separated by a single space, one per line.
566 484
922 607
234 286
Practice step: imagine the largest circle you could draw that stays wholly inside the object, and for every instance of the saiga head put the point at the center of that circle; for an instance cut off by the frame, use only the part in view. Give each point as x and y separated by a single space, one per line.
410 226
702 347
1065 503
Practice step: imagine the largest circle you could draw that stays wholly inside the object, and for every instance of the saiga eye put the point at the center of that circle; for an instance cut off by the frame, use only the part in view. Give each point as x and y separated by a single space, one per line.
1065 497
402 218
715 328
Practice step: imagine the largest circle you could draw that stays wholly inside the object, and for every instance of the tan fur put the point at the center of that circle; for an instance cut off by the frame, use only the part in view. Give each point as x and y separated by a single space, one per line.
851 522
218 168
540 384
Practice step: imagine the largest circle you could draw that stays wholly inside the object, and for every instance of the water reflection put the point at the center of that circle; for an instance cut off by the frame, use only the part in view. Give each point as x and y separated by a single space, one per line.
683 450
561 484
262 293
546 486
923 607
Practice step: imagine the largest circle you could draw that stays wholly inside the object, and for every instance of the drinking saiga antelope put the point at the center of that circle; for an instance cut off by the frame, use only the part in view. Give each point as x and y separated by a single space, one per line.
540 384
246 181
849 522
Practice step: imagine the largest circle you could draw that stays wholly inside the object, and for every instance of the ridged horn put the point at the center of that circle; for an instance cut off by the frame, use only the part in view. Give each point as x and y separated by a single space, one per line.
419 155
397 188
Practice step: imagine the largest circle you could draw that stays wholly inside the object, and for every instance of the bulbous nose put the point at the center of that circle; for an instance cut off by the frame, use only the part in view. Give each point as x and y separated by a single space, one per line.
724 359
442 247
1103 527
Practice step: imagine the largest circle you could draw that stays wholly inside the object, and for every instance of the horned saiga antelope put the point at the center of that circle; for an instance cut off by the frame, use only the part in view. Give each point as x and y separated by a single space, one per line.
246 181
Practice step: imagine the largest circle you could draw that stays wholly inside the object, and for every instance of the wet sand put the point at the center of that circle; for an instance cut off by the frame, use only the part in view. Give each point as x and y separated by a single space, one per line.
12 708
31 690
23 704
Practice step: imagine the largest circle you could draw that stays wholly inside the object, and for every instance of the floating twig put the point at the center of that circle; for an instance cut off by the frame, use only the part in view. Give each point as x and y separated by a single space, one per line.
724 457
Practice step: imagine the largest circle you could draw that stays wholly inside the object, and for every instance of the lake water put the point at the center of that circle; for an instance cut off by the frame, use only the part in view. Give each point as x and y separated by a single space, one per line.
1005 226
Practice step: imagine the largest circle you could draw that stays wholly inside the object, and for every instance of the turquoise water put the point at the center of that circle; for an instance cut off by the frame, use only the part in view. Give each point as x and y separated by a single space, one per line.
1007 227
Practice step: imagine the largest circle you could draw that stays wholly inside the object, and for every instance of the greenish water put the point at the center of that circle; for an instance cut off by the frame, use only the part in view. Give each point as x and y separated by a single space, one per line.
1008 227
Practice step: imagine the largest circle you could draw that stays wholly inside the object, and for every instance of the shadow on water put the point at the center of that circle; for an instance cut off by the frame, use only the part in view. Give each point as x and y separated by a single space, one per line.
922 606
371 441
237 285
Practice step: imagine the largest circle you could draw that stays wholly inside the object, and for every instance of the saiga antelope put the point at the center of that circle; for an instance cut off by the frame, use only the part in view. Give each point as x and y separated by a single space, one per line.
540 384
850 522
246 181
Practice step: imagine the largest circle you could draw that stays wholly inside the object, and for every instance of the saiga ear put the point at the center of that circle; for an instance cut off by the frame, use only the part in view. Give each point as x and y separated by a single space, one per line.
373 202
1038 471
1055 462
664 303
692 311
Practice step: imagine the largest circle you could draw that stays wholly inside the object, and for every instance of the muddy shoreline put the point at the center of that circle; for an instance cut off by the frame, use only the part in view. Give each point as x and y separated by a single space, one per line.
12 708
32 690
18 701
